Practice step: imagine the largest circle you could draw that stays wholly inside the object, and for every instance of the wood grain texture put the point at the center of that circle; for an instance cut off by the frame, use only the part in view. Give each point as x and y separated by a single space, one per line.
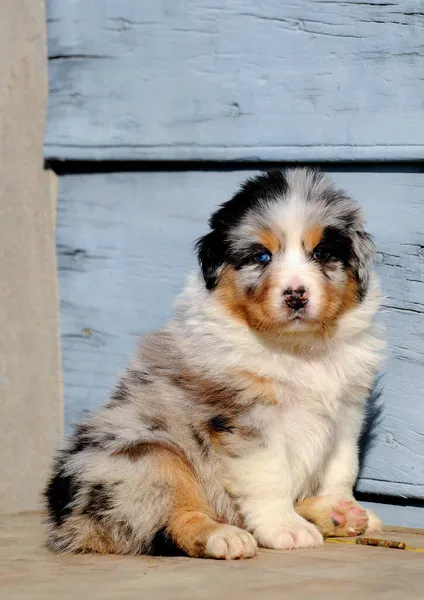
124 245
31 572
236 80
31 416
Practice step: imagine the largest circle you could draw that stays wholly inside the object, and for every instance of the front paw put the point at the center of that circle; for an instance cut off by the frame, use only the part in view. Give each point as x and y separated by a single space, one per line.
337 516
374 523
295 533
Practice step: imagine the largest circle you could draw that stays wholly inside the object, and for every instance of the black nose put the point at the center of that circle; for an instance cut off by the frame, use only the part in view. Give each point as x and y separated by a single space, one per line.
296 299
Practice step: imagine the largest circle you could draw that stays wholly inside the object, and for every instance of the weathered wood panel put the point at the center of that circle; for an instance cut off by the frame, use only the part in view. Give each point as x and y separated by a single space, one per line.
403 516
125 247
336 570
31 415
236 79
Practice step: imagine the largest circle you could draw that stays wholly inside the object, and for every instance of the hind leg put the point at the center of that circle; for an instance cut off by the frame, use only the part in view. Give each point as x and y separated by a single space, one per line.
120 503
191 522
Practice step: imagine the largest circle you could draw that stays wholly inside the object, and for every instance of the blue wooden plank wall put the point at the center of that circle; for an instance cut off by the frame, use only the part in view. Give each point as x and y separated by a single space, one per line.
125 248
235 79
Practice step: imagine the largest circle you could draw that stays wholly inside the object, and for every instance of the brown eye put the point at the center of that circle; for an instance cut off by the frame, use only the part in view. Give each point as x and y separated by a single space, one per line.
321 254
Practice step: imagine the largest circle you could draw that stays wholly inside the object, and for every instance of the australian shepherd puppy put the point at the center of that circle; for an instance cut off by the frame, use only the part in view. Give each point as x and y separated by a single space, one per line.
237 424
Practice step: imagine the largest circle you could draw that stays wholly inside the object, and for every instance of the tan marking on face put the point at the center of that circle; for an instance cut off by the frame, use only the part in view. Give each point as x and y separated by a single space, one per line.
269 240
312 237
351 294
338 300
259 308
191 519
253 309
230 296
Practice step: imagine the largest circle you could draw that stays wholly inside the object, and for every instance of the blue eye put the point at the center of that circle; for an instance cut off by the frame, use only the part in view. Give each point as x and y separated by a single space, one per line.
262 257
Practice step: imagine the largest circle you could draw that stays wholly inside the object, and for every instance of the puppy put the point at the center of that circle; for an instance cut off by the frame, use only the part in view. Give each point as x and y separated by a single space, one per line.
237 424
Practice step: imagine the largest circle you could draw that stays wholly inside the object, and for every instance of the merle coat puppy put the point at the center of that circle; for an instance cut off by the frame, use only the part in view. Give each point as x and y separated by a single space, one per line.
237 424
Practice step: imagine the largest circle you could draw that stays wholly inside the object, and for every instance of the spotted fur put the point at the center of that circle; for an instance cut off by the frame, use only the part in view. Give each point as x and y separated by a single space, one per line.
249 403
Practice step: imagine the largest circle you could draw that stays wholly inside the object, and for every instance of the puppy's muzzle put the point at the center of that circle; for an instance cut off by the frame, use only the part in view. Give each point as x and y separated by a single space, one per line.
295 299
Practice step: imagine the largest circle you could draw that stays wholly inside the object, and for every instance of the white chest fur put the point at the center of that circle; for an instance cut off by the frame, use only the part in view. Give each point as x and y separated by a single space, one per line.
313 390
317 397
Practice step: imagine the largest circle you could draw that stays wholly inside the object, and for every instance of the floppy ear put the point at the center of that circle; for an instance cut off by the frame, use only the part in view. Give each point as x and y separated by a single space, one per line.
363 255
211 256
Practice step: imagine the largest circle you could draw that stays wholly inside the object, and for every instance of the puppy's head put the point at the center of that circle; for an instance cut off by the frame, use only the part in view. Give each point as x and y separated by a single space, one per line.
287 253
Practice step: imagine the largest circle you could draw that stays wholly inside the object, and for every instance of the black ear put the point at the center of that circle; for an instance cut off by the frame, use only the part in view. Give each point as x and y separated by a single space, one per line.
211 256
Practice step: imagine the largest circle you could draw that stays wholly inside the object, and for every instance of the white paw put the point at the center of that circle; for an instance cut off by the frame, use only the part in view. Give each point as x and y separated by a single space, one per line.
374 522
298 533
230 542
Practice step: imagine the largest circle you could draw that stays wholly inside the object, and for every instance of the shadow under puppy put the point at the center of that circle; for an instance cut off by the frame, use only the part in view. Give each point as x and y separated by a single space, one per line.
237 424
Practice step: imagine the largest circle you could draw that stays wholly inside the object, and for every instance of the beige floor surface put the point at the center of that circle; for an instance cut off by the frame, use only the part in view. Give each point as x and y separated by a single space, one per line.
338 570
